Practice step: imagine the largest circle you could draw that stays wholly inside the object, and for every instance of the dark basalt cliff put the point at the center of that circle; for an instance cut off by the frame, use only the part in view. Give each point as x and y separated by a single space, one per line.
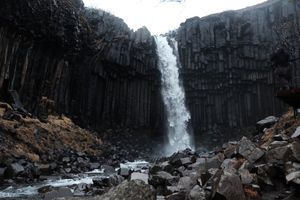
86 61
226 74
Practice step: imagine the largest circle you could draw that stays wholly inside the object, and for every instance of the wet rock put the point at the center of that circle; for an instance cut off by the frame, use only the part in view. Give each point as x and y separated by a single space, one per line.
58 193
2 171
248 150
197 193
129 190
266 123
230 186
140 176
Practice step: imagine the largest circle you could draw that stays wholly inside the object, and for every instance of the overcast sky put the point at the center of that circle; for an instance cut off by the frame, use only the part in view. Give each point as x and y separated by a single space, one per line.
162 17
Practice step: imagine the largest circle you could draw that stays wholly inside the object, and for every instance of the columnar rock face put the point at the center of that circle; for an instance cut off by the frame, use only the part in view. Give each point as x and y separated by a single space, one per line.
87 61
225 69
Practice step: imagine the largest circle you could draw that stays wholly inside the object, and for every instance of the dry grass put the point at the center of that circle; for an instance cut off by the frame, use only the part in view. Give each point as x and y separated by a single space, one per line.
30 138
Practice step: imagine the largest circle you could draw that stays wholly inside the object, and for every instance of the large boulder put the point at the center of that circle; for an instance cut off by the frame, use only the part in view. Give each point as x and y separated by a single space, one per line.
230 186
129 190
248 150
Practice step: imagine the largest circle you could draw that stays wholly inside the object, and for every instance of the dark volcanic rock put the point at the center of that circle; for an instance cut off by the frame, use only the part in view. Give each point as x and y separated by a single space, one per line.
225 65
60 57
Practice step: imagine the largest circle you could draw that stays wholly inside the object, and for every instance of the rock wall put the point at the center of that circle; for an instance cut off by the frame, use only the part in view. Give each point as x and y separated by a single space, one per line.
87 61
225 69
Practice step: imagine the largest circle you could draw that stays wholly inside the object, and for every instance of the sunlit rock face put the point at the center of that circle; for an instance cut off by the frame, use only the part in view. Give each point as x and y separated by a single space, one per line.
226 73
88 62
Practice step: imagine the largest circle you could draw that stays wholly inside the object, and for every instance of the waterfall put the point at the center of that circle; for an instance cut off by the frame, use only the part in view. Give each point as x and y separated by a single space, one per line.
173 97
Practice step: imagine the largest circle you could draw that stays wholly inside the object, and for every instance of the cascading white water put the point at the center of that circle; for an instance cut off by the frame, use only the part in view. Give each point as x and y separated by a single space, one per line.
173 97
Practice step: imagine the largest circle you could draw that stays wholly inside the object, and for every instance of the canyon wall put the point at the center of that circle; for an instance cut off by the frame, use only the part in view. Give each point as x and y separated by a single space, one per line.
225 63
88 62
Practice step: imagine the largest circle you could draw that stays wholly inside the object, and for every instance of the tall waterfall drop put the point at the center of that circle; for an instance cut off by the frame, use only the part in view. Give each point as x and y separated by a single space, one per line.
173 97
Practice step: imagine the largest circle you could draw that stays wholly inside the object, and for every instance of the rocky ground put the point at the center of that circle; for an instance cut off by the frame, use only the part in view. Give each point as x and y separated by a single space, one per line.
261 168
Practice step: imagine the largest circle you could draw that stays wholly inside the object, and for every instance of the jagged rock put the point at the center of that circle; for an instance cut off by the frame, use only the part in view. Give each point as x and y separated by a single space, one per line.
214 162
266 123
249 151
230 186
129 190
197 193
58 193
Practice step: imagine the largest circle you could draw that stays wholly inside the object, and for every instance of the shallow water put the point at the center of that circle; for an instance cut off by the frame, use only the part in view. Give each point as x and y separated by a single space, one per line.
28 191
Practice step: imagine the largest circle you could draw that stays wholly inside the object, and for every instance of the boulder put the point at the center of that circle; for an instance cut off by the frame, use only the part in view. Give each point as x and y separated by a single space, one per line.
13 169
266 123
162 178
129 190
197 193
278 154
140 176
230 186
248 150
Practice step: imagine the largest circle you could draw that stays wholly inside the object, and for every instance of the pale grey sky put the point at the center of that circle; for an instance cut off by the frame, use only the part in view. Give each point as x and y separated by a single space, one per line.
162 17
